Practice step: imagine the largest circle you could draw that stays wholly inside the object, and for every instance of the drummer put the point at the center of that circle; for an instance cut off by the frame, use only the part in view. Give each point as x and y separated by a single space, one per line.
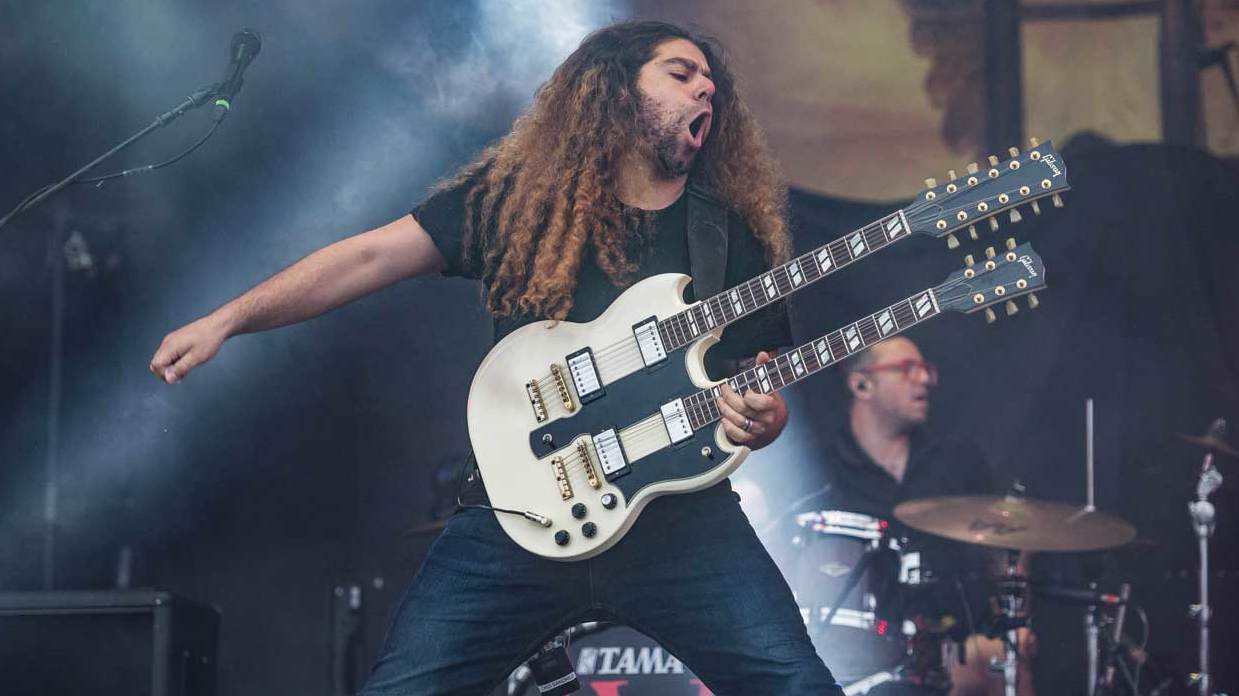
881 454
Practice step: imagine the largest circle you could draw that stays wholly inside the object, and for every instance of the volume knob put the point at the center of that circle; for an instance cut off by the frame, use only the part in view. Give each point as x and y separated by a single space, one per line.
609 500
561 537
589 529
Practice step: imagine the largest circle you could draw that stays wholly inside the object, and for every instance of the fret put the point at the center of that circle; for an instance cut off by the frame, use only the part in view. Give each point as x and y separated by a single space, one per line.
694 329
754 294
875 237
768 284
857 246
841 252
885 321
822 348
795 274
869 331
838 345
825 261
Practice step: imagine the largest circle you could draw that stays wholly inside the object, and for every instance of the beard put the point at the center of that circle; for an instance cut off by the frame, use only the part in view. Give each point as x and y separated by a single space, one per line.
660 132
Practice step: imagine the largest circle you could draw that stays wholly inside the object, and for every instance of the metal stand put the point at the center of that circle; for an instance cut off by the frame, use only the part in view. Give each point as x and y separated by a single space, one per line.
1202 514
1012 616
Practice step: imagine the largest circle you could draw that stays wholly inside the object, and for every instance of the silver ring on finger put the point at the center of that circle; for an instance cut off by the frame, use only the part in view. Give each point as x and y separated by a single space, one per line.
748 424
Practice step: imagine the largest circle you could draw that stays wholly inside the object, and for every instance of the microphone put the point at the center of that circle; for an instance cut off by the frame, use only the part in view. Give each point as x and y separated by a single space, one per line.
246 44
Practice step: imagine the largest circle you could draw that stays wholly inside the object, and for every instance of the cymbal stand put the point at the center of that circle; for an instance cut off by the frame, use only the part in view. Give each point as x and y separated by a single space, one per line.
1202 514
1012 615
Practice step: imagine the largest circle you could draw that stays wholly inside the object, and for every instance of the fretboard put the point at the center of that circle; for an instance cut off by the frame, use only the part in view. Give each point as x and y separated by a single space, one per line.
726 307
793 366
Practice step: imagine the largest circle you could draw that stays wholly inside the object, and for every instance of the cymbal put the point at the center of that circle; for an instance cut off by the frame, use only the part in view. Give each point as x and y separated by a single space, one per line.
1212 444
1008 522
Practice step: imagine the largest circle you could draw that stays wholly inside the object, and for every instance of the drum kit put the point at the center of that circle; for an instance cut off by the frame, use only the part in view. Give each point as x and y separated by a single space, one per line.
873 598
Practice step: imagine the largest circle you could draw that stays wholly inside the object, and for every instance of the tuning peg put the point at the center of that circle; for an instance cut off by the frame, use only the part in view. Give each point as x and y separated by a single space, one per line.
1058 200
931 182
973 168
993 161
1035 208
1011 244
1015 215
1033 302
950 174
968 261
952 242
993 224
990 317
1014 152
1011 308
972 231
1033 142
989 252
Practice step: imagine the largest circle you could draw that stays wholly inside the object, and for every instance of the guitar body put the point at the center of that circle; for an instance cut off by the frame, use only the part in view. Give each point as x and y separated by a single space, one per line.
525 463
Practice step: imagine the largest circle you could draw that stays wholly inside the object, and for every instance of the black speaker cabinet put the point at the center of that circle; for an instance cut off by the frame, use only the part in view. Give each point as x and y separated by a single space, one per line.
137 643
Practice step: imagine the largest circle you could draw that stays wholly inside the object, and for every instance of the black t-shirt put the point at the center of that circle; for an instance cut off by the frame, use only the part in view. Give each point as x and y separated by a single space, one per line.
658 245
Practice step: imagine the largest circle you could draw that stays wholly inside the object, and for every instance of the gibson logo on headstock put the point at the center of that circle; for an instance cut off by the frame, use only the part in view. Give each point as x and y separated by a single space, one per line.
1028 265
1052 164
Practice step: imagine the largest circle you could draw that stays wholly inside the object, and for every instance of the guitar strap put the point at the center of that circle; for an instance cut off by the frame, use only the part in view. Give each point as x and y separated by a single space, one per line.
707 242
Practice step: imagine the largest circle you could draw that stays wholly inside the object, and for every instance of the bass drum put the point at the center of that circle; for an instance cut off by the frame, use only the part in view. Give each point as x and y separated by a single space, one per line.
614 660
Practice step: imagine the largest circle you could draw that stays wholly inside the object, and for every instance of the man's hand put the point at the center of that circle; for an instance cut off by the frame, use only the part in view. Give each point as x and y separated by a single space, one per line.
754 419
188 347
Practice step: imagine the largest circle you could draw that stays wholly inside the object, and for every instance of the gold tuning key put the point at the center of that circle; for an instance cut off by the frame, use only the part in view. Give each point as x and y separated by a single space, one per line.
989 252
931 182
1033 302
972 231
968 261
1011 244
1011 307
993 224
990 317
973 168
993 161
1014 152
1035 208
1033 142
1058 200
952 242
1015 215
950 174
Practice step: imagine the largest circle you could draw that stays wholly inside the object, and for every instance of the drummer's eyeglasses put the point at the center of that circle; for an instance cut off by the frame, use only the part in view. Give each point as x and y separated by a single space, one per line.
910 369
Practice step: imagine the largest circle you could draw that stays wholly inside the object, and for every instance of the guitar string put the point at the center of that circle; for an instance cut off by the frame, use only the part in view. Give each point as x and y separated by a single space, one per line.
782 281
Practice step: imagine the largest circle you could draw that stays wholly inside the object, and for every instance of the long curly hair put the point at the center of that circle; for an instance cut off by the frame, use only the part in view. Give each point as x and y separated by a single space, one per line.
544 193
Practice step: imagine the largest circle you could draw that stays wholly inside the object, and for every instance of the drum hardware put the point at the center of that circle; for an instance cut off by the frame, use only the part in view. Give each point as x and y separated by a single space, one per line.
1202 514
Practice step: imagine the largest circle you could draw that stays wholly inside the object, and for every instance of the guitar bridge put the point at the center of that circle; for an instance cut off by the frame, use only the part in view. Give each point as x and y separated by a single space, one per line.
561 384
534 392
591 475
561 478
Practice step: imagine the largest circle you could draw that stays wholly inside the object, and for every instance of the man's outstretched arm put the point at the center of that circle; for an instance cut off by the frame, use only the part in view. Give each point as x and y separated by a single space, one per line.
330 277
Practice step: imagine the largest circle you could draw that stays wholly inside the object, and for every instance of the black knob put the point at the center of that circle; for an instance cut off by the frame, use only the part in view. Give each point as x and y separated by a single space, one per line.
561 537
578 510
589 529
609 500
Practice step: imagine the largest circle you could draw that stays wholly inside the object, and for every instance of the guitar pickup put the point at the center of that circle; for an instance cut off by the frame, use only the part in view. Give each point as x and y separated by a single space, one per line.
649 342
585 376
610 454
675 419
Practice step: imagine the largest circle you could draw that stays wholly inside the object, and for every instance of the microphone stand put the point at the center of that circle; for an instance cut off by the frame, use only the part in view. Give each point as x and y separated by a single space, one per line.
1202 514
56 252
193 101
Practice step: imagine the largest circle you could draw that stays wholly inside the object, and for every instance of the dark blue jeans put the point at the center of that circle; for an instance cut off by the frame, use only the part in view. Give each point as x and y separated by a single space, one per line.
691 574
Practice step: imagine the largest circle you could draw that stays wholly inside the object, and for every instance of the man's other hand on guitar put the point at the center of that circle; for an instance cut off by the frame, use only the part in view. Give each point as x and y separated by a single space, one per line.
752 419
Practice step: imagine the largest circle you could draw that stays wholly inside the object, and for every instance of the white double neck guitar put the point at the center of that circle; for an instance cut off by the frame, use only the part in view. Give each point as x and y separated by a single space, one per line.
576 427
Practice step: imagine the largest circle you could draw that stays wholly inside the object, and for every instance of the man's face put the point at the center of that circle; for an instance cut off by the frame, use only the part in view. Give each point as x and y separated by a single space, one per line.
903 397
675 112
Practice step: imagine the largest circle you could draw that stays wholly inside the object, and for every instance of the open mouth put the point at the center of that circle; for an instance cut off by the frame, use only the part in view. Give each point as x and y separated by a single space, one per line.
696 127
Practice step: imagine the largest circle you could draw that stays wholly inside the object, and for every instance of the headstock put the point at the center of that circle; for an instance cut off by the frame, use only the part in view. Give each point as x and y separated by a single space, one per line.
999 278
982 194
